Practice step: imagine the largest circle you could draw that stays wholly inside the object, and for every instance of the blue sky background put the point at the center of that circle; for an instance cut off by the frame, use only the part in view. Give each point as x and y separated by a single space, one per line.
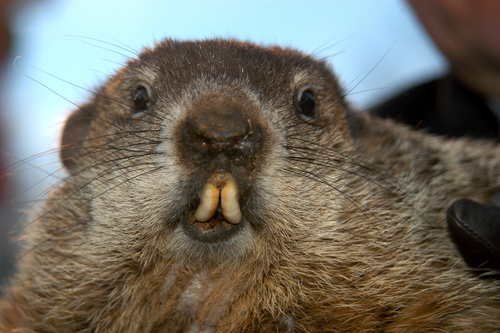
375 47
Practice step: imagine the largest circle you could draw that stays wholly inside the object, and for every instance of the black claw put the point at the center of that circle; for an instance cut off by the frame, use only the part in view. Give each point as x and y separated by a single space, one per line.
475 229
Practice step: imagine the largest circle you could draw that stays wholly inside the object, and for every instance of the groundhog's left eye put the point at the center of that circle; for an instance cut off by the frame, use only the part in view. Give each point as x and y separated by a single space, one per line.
141 98
306 103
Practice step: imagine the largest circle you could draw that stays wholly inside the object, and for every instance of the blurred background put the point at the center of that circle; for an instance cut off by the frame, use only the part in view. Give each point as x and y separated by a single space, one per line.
377 48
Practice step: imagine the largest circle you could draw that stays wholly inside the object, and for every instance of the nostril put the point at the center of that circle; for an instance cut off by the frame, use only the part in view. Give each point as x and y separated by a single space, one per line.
248 142
205 143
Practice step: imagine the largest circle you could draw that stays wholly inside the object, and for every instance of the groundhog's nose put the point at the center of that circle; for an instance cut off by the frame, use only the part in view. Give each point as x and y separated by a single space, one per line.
220 124
222 132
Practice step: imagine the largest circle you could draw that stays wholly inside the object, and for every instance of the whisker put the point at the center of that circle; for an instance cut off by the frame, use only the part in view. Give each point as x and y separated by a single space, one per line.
80 39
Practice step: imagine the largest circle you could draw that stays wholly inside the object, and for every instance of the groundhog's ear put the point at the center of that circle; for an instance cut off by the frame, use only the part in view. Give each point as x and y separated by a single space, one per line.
74 135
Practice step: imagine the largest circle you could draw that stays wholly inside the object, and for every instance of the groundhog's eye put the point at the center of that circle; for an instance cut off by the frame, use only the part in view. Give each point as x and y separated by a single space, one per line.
141 98
306 103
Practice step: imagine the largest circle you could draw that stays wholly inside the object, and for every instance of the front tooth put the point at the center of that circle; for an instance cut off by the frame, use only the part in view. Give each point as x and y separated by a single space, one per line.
208 204
229 201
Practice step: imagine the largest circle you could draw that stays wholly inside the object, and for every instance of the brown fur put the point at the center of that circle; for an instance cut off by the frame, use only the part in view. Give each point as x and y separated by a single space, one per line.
344 232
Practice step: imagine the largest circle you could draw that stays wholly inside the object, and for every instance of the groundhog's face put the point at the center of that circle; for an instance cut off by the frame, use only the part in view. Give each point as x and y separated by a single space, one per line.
209 149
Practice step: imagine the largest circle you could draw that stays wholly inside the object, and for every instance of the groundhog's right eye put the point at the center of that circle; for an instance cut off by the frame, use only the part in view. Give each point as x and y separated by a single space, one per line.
141 98
306 103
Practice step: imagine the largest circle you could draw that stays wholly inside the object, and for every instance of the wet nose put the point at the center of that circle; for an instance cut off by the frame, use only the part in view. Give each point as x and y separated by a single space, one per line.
222 131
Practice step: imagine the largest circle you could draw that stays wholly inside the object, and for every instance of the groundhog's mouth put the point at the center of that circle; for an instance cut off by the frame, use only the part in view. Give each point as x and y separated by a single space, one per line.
213 225
219 211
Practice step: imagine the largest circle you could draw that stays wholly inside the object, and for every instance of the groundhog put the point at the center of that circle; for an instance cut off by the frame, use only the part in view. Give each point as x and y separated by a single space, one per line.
220 186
